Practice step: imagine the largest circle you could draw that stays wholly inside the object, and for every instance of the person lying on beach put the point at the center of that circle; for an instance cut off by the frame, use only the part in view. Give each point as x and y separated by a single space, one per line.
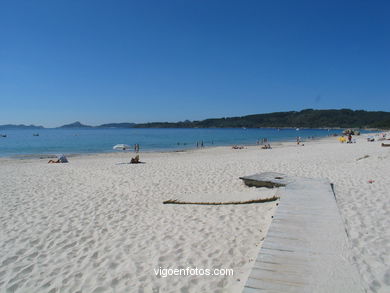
266 147
135 160
61 159
237 147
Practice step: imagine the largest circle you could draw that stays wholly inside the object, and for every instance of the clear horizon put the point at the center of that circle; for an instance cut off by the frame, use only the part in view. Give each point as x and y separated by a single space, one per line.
100 62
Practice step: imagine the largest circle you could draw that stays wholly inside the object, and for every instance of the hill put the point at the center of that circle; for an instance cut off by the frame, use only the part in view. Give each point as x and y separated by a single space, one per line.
76 124
20 126
117 125
309 118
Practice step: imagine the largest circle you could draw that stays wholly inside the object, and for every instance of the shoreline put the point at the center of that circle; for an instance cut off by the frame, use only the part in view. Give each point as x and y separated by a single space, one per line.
111 152
284 127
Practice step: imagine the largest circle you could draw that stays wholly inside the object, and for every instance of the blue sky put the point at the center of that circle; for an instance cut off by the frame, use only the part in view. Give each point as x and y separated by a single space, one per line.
137 61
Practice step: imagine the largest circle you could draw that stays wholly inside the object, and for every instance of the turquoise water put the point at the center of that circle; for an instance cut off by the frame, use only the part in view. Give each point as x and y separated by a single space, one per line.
70 141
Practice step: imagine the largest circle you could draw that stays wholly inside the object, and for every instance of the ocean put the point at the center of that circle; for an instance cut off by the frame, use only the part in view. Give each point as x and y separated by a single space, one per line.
77 141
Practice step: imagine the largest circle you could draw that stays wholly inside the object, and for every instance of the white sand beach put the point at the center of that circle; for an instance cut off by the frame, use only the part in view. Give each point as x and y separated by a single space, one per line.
98 224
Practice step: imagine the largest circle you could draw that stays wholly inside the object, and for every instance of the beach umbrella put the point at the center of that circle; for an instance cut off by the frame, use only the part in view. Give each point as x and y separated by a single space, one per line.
121 147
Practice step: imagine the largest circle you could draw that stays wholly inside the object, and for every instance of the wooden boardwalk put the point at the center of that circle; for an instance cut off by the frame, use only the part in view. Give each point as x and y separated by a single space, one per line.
306 248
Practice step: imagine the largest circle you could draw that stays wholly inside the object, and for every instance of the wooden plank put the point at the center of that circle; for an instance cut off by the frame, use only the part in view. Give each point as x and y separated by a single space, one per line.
306 248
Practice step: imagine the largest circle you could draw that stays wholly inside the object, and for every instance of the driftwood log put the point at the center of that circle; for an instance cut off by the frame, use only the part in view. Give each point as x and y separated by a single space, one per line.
173 201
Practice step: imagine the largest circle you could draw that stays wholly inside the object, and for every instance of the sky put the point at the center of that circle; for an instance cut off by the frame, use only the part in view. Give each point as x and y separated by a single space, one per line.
139 61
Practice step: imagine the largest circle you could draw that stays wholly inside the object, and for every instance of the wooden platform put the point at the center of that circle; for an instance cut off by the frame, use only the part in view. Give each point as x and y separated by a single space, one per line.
306 248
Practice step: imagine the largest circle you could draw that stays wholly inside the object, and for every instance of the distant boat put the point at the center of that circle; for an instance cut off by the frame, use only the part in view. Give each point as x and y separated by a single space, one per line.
244 128
3 135
297 129
35 134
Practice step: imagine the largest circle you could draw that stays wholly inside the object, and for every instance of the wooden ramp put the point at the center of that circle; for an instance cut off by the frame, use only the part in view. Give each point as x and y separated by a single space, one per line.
306 248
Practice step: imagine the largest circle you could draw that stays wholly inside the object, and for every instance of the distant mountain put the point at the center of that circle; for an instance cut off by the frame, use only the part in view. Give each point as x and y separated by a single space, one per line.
117 125
309 118
20 126
76 124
